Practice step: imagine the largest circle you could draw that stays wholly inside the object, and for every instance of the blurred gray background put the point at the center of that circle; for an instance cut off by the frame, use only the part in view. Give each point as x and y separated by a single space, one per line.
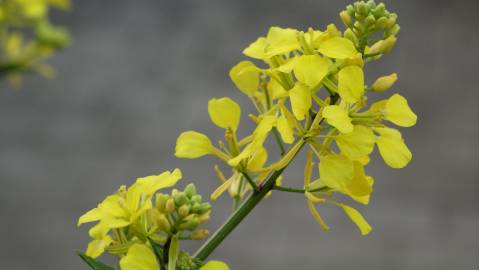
140 72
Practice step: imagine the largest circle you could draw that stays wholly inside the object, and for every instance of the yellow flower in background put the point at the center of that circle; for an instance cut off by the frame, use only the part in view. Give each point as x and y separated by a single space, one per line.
391 145
245 75
398 112
139 256
192 144
224 112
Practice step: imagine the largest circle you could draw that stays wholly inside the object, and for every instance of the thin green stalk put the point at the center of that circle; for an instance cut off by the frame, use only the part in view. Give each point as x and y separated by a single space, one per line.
299 190
250 181
279 141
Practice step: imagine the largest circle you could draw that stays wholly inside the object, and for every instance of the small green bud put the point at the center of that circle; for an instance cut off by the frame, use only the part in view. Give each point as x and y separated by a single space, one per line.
199 234
391 20
196 198
359 26
204 207
370 20
195 207
363 9
379 10
190 224
394 30
388 44
163 223
381 22
371 4
349 34
350 10
170 205
161 201
180 198
384 83
190 190
184 210
345 18
204 217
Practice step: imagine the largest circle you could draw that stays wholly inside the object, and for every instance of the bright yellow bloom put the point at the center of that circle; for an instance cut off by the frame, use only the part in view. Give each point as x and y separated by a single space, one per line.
224 112
336 171
285 129
392 147
338 47
215 265
310 69
300 97
338 117
139 257
281 40
192 144
397 111
358 143
245 75
351 83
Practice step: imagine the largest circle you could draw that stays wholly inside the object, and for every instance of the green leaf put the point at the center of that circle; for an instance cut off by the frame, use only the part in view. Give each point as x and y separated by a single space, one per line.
94 264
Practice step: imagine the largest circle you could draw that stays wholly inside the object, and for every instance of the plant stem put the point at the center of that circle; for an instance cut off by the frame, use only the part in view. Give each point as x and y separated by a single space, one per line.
250 181
236 218
279 141
299 190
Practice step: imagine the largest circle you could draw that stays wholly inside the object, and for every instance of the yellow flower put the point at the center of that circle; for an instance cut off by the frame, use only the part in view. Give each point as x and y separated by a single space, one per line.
358 143
139 257
300 97
124 208
397 111
351 83
192 144
338 117
245 75
310 69
336 171
224 112
392 147
337 47
281 40
384 83
215 265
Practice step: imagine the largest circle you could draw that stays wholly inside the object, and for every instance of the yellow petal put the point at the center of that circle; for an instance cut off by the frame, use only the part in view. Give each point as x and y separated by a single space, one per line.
245 75
336 171
224 112
97 247
392 147
310 69
300 97
219 190
275 90
281 41
397 111
358 143
338 117
139 257
360 185
384 83
357 218
285 129
90 216
191 144
317 216
257 49
151 184
258 159
215 265
351 83
337 47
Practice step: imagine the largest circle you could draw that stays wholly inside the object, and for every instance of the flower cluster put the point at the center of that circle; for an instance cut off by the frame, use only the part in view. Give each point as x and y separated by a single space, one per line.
138 223
309 89
20 51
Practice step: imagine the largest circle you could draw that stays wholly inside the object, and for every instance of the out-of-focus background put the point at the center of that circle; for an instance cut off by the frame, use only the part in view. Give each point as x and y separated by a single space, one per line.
140 72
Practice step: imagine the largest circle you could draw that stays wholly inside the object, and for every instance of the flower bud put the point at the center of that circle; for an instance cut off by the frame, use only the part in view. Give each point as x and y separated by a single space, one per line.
170 205
382 46
184 210
350 10
161 201
195 207
180 198
204 217
370 20
349 34
190 190
163 223
371 4
204 207
199 234
392 20
363 9
358 25
190 224
384 83
381 22
379 10
196 198
393 30
345 18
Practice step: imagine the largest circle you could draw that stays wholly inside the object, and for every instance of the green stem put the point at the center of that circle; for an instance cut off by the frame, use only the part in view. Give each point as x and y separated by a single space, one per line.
279 141
236 218
250 181
299 190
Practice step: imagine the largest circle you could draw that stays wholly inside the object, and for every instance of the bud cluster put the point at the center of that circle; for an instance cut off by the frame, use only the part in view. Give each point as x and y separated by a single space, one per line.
368 19
182 211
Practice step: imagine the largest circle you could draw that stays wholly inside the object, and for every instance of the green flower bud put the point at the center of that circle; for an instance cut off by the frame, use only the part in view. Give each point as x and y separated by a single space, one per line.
184 210
381 22
349 34
384 83
195 207
363 9
190 190
199 234
388 44
350 10
180 198
163 223
190 224
394 30
170 205
204 207
345 18
204 217
371 4
358 25
370 20
161 201
196 198
391 20
379 10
